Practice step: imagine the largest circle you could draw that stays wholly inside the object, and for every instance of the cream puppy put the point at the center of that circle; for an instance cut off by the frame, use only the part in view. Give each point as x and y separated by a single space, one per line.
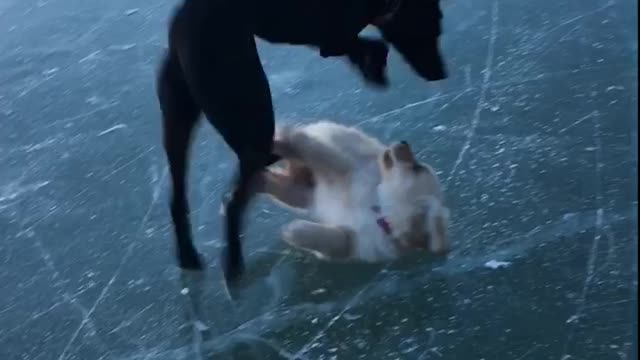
368 202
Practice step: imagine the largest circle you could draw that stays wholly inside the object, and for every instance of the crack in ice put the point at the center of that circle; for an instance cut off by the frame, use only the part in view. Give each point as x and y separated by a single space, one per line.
593 255
116 273
486 82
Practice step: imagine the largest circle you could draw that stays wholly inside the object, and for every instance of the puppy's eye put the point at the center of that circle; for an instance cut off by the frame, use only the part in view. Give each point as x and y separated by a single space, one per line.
387 160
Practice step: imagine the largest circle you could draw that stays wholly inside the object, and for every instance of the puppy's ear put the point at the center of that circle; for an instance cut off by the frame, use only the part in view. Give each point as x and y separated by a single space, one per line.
387 159
439 241
418 239
437 227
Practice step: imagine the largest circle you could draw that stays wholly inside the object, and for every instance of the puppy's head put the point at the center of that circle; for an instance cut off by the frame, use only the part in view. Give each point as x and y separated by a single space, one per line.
403 177
411 195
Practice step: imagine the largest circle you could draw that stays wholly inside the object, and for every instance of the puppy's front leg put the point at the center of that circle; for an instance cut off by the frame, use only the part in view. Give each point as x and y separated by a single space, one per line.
326 242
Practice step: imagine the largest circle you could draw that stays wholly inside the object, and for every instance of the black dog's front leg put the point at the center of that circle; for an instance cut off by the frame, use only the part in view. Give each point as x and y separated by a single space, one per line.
368 55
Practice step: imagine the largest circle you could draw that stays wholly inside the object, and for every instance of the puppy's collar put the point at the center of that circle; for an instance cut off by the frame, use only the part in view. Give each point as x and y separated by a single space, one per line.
382 221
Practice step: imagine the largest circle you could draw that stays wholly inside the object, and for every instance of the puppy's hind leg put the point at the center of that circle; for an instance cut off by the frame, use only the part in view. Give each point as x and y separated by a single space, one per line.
180 114
324 241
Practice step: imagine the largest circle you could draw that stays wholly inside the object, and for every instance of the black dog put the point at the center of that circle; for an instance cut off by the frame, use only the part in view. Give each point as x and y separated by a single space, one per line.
213 67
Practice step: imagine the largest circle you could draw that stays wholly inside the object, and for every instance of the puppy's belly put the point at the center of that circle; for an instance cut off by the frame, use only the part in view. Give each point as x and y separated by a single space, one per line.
341 201
332 205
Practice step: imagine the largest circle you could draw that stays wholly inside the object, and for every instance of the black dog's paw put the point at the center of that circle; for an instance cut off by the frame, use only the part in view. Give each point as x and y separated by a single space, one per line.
375 70
232 267
371 61
190 260
376 78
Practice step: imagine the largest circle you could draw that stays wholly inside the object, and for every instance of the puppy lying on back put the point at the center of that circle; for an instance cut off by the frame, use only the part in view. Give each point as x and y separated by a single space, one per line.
370 202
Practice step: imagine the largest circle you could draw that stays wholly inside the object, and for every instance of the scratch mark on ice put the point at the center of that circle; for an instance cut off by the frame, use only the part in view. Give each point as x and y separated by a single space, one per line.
112 129
486 82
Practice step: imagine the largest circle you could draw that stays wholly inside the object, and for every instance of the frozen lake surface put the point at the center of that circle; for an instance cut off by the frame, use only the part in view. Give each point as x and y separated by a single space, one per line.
535 136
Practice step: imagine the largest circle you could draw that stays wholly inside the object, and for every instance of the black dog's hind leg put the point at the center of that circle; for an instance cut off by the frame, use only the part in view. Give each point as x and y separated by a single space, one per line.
219 58
180 114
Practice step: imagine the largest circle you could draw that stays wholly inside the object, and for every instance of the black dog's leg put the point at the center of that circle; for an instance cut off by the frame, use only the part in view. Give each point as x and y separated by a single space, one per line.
254 151
235 204
220 61
226 198
180 114
234 211
369 56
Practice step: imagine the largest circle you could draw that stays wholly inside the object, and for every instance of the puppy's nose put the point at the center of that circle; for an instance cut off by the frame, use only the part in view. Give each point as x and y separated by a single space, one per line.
403 142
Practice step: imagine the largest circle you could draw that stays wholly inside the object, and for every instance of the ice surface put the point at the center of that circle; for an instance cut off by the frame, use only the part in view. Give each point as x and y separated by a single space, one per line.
534 135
